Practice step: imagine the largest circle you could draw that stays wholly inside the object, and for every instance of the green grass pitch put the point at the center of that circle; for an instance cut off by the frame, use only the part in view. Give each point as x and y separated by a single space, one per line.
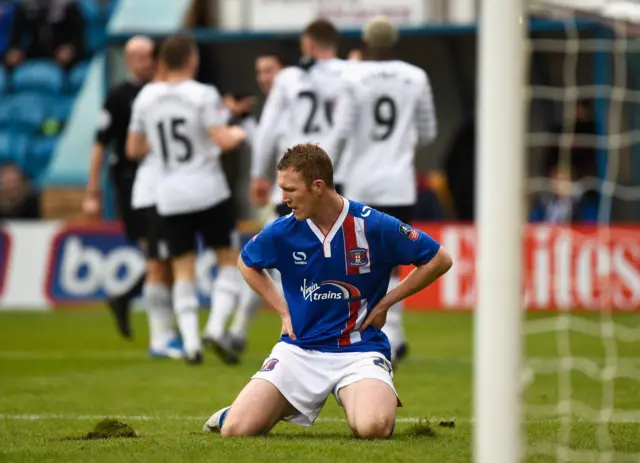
60 373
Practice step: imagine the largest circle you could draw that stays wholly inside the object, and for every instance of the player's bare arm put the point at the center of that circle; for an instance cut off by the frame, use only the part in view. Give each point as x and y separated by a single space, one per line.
421 277
227 137
261 283
91 202
137 146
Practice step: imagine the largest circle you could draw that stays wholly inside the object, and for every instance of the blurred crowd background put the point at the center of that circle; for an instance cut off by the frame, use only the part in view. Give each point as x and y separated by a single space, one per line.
59 57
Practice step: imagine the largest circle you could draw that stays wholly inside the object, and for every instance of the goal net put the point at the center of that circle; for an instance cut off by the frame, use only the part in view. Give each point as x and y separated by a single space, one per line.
580 389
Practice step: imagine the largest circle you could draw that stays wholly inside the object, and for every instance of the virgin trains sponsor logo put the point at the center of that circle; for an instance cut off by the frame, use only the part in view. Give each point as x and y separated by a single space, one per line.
329 290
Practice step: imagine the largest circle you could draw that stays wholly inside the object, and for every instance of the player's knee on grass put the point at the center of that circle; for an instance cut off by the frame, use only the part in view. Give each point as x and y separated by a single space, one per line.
257 409
370 405
373 425
248 426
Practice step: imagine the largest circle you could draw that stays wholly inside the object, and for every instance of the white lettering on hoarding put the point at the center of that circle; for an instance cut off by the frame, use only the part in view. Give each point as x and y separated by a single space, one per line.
458 283
101 271
85 270
561 274
565 270
627 284
538 294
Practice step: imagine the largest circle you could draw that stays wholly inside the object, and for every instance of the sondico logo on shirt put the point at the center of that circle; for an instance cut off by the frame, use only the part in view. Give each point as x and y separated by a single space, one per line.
300 258
329 290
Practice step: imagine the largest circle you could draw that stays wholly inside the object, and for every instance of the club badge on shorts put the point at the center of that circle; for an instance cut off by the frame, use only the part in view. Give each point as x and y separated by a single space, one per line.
269 365
383 363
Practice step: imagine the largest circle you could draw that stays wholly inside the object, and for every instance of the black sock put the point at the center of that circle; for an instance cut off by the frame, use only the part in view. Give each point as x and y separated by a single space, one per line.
134 291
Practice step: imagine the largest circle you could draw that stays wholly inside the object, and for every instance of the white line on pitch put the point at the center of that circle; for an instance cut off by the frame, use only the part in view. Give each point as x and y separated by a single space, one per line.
77 355
432 419
141 354
56 416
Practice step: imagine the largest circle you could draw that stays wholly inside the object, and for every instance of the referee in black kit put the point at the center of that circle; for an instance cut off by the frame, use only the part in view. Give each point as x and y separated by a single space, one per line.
112 132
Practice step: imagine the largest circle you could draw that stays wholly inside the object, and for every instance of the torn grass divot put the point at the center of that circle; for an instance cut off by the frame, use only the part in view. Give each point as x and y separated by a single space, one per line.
111 429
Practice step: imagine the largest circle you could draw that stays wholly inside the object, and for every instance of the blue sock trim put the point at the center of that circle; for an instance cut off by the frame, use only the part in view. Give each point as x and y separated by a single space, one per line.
223 416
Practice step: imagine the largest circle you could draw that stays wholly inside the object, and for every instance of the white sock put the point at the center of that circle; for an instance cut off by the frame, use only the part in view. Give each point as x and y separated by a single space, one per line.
159 314
393 327
185 304
224 297
247 309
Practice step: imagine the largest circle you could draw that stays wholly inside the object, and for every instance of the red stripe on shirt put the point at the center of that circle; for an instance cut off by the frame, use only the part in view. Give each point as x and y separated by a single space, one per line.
350 242
345 337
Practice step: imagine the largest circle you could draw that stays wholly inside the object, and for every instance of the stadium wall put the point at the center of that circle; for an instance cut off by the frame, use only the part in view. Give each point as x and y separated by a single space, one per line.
53 265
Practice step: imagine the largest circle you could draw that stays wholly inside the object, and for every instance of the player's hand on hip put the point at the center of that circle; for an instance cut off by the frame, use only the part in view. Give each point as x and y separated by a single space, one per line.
287 327
377 318
260 190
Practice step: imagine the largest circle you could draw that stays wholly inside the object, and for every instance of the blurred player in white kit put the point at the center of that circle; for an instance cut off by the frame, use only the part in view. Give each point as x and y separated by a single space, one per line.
163 339
384 103
298 109
229 345
184 123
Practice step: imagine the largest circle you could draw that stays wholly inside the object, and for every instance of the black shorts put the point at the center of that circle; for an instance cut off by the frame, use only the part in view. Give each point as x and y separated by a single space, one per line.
402 213
134 227
154 243
214 226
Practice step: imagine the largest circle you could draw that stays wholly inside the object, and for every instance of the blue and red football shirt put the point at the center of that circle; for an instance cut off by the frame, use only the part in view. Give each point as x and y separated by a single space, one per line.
332 282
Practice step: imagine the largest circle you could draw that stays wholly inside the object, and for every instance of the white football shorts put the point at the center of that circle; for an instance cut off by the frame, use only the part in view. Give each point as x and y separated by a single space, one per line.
306 378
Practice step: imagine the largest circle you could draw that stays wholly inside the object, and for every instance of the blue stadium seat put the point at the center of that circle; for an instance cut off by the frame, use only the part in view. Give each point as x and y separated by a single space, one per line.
91 10
24 112
61 109
40 75
13 147
3 80
96 15
39 155
77 76
96 37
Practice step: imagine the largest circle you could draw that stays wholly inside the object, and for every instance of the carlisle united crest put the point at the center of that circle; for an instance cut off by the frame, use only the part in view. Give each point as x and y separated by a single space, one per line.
358 257
269 365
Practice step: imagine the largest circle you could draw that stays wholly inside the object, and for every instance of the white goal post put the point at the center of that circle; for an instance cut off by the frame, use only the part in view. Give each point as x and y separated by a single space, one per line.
500 199
586 420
